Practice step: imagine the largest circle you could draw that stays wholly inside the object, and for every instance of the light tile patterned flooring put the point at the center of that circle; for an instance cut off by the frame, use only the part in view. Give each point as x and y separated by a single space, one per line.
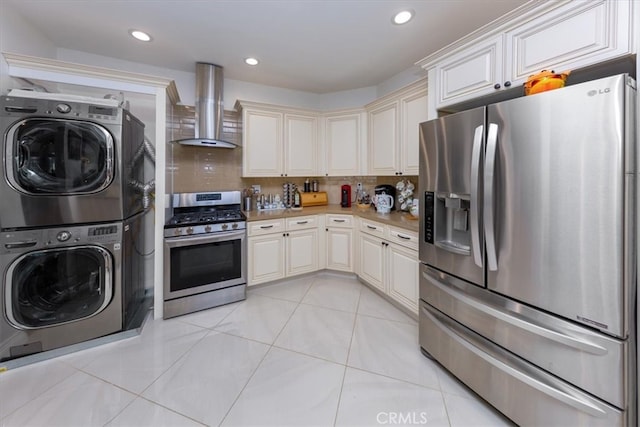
320 350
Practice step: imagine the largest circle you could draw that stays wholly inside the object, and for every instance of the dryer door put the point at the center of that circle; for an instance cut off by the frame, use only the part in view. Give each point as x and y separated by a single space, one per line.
57 286
59 157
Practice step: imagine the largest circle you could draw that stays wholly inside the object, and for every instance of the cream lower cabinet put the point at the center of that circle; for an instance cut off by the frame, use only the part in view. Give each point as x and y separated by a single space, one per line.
301 245
277 248
389 261
339 242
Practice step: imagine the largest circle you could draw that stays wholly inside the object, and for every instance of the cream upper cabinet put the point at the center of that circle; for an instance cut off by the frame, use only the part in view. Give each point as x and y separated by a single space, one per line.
393 136
278 141
469 73
555 36
343 138
262 143
413 111
575 35
300 145
384 139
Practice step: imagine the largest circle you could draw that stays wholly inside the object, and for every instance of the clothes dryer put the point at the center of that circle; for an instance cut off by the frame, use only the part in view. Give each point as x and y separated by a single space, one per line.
68 162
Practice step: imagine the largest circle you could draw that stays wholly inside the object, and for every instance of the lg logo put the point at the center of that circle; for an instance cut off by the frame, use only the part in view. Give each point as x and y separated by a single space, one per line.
598 92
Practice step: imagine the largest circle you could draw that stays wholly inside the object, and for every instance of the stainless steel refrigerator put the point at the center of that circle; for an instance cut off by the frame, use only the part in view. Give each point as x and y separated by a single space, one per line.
528 253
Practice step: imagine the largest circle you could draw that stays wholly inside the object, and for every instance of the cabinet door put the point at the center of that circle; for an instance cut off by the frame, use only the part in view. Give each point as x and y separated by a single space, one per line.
302 251
342 144
301 145
262 143
372 261
340 249
574 35
265 258
384 140
403 276
470 73
413 110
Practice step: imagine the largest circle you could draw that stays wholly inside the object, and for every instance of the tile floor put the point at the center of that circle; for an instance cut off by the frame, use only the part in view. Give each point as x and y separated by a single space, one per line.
321 350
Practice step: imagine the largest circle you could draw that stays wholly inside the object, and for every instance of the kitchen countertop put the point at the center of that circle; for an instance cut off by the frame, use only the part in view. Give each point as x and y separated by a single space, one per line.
395 218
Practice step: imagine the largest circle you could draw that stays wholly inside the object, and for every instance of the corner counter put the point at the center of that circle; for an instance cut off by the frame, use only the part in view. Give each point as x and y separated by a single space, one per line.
398 219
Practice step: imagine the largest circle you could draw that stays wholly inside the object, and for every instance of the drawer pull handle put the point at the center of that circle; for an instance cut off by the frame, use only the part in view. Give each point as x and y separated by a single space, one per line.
372 227
302 222
403 237
338 220
264 227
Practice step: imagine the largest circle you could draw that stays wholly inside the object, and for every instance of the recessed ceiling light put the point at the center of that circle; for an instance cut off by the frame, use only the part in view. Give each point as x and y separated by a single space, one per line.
403 17
140 35
251 61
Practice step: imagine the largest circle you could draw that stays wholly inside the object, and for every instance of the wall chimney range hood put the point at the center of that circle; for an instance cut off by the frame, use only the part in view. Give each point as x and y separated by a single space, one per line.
209 108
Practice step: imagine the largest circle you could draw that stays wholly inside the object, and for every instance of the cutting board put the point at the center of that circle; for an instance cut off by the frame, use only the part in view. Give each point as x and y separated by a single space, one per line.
319 198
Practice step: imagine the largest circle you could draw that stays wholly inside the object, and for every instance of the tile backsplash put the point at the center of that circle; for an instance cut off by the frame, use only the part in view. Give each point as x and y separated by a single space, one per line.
191 169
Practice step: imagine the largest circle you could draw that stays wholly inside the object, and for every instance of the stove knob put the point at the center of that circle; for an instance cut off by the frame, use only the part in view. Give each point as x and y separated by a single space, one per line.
177 231
207 228
189 230
234 225
225 226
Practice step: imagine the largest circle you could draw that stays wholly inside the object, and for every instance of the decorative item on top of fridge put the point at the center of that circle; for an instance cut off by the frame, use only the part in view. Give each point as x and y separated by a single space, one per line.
405 194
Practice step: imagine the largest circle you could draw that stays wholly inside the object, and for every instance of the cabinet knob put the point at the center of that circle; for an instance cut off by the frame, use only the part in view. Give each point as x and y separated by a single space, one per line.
496 86
507 84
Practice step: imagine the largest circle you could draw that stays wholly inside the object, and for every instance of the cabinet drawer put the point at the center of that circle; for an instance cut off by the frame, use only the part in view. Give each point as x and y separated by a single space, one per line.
373 228
402 237
302 222
258 228
337 220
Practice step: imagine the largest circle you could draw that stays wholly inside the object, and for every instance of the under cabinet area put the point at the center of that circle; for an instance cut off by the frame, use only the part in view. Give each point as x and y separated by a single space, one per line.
389 262
281 248
552 36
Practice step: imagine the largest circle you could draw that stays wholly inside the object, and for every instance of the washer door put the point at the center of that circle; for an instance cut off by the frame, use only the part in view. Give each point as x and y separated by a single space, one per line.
59 157
57 286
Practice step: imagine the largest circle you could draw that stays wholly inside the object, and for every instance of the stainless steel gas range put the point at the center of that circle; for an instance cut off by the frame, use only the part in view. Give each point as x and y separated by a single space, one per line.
204 252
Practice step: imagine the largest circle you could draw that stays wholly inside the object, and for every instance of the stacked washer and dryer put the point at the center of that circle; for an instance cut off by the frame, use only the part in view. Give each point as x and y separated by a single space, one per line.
71 211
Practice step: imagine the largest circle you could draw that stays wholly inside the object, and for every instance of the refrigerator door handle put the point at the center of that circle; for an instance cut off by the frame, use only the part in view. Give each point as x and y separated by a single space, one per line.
475 180
489 176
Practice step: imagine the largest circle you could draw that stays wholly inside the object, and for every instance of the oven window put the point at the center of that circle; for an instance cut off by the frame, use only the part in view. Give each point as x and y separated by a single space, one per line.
58 286
197 265
61 157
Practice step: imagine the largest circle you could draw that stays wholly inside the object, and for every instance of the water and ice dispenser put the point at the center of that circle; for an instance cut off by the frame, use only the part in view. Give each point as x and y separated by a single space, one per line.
446 221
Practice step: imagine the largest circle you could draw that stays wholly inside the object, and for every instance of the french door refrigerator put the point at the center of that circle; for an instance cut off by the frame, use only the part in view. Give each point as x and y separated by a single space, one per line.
528 253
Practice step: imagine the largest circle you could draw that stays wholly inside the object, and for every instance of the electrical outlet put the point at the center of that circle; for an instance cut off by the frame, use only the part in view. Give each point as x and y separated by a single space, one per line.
256 189
359 186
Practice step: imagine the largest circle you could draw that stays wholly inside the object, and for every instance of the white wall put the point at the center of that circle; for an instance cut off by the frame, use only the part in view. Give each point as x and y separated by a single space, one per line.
18 36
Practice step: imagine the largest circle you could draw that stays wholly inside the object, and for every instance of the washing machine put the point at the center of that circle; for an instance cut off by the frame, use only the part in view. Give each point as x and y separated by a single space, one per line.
68 160
61 286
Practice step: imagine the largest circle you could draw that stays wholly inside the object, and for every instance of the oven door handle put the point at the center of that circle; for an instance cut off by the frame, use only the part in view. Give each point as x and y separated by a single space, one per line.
174 242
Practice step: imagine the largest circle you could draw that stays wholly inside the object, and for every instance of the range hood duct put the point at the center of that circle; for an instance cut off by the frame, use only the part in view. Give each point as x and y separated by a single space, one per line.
209 108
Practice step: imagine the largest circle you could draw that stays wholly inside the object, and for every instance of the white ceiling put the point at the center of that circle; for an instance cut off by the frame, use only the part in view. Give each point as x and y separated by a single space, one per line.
317 46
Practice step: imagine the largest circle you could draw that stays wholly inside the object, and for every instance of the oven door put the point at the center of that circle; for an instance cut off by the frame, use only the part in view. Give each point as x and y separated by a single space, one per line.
53 287
196 264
